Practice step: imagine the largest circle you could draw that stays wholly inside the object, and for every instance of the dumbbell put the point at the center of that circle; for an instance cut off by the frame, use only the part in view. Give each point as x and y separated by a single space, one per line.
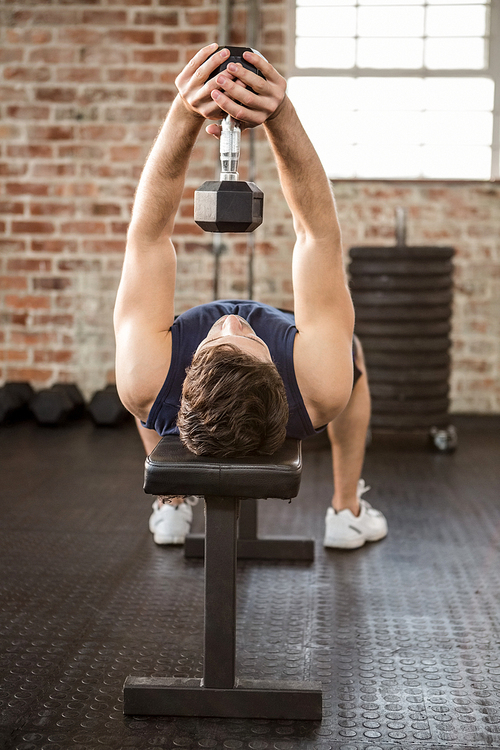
14 401
229 205
54 406
106 409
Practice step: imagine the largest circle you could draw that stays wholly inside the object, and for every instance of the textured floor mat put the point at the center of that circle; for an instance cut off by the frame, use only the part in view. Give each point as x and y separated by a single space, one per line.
404 634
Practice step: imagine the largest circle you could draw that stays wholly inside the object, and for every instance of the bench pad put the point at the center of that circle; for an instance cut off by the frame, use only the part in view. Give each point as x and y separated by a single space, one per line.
172 469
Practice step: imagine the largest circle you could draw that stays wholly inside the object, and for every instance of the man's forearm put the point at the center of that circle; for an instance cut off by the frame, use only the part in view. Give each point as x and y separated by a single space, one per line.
305 185
162 181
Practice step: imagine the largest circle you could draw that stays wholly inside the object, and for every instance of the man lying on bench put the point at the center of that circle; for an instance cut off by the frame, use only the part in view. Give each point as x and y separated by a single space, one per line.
254 374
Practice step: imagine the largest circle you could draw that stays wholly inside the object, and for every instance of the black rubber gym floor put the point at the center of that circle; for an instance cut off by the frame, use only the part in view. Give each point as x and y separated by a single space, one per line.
403 634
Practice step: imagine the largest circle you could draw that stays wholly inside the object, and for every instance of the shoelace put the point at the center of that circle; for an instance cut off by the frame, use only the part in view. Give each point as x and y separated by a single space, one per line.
362 488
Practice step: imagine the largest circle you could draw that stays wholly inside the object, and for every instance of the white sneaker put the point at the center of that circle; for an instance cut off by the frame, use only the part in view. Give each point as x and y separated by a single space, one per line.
347 531
169 524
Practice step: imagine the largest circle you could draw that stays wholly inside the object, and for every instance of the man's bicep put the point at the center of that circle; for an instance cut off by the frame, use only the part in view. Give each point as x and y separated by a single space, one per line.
324 369
143 316
320 286
142 364
147 286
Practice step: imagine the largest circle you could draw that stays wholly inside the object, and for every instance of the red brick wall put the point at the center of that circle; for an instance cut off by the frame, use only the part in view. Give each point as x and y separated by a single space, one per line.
84 87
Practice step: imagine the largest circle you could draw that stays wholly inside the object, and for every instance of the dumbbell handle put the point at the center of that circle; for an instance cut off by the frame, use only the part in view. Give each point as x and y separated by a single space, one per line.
229 149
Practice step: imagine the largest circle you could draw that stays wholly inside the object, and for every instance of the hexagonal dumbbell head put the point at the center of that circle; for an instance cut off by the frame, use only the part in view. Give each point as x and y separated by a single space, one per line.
228 206
106 408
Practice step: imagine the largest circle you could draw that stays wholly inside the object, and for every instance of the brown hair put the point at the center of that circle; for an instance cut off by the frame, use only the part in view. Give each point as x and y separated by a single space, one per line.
232 404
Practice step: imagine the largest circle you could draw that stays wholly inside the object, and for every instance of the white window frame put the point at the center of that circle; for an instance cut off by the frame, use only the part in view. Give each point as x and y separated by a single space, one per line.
491 70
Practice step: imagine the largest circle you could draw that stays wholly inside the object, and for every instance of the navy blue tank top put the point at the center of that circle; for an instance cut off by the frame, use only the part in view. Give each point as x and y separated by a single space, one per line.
273 326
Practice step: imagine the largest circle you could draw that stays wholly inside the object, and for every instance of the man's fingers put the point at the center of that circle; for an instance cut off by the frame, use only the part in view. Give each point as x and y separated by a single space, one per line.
214 130
193 84
259 62
200 66
236 89
252 80
212 63
195 62
237 110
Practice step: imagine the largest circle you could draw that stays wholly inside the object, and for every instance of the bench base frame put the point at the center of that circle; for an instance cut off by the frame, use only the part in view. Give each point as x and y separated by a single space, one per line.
256 699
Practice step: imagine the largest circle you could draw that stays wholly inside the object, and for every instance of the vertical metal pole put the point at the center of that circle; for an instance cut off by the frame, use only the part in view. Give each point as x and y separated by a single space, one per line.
223 38
401 215
224 22
252 21
494 68
220 591
247 525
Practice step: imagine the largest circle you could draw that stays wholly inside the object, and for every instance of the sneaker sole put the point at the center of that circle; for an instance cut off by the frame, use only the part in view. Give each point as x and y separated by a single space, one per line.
376 538
351 544
168 539
343 543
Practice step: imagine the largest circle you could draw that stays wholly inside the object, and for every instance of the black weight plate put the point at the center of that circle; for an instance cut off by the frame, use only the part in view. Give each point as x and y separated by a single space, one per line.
400 283
406 359
422 328
400 267
421 253
410 344
421 405
402 298
409 375
411 313
408 391
408 421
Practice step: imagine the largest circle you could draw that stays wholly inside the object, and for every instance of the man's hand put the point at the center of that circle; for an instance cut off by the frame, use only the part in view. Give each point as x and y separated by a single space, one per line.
194 87
247 97
228 92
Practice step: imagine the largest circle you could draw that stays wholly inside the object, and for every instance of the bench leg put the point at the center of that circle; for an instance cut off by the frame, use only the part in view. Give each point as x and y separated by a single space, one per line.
220 592
252 547
219 693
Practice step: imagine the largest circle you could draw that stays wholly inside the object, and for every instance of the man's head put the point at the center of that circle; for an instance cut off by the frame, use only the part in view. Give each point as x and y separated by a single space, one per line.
233 399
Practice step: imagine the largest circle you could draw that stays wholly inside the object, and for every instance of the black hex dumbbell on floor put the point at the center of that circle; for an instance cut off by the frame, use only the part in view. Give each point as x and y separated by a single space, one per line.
54 406
14 401
229 205
106 409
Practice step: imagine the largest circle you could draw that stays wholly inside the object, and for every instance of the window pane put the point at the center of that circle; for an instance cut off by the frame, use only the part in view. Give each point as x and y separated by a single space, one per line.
472 128
319 99
326 124
325 53
326 22
459 162
467 20
458 2
404 3
458 94
341 127
395 21
390 93
390 53
455 54
338 161
382 128
387 161
324 3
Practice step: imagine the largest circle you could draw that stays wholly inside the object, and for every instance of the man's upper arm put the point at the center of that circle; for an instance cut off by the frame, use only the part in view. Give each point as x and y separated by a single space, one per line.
144 313
324 317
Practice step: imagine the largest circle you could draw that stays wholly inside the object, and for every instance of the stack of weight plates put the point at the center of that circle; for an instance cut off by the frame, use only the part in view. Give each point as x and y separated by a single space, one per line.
402 298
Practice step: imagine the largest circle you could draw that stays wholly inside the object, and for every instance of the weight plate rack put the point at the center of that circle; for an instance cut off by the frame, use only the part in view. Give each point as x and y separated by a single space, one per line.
402 298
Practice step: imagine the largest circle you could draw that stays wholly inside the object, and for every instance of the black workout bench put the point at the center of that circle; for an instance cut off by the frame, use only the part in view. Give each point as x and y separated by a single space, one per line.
171 469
